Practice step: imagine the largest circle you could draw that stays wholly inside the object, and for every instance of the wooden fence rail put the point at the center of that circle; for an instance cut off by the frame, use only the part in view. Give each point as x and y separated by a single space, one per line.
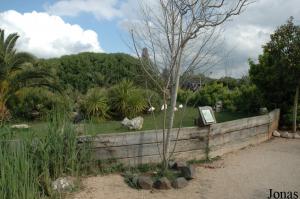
146 146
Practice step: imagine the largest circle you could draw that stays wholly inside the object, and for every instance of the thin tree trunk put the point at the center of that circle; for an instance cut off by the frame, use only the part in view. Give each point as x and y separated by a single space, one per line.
295 109
171 116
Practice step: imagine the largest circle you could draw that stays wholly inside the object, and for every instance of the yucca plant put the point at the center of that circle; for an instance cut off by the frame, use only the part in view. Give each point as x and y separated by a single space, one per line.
96 104
127 100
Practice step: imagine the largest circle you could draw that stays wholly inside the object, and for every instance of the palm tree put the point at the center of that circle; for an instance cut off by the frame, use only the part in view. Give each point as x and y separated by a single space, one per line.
17 71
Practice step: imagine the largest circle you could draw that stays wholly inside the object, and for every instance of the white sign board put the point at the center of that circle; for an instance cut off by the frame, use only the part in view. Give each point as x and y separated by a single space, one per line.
207 115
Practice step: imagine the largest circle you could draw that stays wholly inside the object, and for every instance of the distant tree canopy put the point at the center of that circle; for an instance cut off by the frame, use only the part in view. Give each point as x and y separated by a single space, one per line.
277 72
87 70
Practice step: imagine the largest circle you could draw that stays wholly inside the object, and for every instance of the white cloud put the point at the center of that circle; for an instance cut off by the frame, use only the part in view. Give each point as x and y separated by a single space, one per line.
244 35
103 9
46 35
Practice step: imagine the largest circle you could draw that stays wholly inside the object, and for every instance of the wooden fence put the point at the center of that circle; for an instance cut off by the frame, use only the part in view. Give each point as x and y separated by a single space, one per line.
146 146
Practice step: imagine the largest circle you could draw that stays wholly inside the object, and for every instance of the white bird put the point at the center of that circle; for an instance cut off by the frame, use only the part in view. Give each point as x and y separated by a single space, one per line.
180 106
151 109
164 107
175 108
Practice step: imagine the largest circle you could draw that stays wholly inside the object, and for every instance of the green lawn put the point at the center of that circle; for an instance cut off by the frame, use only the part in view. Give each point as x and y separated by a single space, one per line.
149 122
93 128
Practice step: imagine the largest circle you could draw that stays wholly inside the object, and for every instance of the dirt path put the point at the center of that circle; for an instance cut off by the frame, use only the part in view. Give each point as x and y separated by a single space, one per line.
248 173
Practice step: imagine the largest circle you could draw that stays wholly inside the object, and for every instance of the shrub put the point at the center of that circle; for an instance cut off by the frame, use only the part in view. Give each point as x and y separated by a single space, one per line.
210 94
184 96
95 103
248 99
33 103
152 98
287 119
126 100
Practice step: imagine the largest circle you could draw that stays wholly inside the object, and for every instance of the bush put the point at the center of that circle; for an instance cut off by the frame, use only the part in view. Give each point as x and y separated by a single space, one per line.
248 99
287 119
209 95
95 104
184 96
152 98
35 103
126 100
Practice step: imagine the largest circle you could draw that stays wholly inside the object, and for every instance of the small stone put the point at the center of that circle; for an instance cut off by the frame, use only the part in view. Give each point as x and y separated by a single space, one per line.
172 164
163 183
145 182
297 136
63 184
188 172
276 134
285 134
77 117
263 111
178 165
180 183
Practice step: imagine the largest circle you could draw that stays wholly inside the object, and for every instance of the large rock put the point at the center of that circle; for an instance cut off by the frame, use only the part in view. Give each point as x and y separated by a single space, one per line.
179 183
276 134
145 182
20 126
63 184
134 124
188 172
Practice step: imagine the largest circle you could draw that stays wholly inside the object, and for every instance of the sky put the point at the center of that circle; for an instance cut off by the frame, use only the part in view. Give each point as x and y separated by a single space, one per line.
52 28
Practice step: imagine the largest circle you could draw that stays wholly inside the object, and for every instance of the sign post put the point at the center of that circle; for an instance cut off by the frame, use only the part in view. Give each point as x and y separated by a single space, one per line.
207 116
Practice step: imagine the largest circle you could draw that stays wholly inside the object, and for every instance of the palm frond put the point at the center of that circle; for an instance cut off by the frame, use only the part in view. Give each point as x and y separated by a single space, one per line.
10 43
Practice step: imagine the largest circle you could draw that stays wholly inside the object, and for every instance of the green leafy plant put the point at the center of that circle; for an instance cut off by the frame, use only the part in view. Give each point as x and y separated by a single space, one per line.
126 100
96 103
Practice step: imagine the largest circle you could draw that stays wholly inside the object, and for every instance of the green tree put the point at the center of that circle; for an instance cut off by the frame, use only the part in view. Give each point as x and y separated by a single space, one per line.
277 73
16 71
88 70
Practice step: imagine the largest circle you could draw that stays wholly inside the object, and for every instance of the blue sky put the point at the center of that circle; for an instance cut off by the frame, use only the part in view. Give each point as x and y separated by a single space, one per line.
52 28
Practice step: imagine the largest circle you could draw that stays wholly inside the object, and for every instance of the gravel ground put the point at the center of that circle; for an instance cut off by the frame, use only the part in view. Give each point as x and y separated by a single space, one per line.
248 173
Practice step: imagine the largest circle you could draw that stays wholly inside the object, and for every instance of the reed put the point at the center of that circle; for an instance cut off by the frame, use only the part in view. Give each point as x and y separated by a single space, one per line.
28 165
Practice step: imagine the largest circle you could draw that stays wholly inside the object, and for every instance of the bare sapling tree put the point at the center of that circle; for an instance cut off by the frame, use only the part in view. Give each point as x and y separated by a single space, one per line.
180 36
295 108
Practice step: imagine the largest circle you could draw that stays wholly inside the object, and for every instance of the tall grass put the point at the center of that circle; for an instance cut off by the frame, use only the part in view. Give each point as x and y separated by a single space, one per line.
28 166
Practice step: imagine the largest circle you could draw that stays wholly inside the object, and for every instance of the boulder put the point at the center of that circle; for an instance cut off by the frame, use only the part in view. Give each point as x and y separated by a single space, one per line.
188 172
20 126
145 182
134 124
63 184
179 183
276 134
163 183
